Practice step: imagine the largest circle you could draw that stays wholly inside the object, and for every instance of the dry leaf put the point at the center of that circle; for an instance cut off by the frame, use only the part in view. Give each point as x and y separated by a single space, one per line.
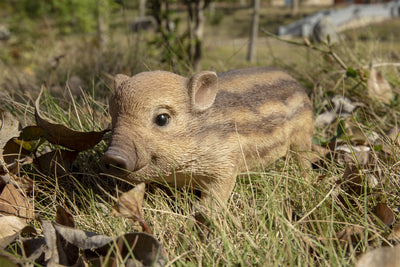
130 203
68 246
381 257
393 134
391 144
13 152
23 182
17 149
360 135
9 128
353 154
61 135
394 236
351 182
59 250
10 227
325 118
378 87
12 202
384 213
57 162
65 218
14 167
350 235
341 107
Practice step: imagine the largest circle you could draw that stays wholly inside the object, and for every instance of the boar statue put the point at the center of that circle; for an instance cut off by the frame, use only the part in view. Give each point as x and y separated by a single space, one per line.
204 130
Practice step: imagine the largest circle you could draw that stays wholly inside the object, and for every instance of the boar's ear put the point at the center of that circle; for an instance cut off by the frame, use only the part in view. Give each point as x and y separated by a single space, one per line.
203 88
119 79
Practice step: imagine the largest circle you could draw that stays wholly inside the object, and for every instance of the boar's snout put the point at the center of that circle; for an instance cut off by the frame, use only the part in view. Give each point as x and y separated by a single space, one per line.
116 164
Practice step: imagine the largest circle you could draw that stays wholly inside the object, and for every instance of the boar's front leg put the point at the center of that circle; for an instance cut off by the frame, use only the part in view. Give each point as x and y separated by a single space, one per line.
214 195
217 190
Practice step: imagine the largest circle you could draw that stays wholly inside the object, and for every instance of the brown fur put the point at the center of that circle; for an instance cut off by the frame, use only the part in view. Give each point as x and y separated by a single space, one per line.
218 126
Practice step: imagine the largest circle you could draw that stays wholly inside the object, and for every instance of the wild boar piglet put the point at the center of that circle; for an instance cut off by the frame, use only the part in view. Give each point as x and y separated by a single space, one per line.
203 130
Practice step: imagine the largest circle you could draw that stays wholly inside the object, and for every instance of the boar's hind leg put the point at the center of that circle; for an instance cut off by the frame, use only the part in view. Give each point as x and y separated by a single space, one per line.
301 146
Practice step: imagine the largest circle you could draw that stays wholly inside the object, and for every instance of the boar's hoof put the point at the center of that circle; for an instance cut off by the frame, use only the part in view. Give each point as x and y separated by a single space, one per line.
115 164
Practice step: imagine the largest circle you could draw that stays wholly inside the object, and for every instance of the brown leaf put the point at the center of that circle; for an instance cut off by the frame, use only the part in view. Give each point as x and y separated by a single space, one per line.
325 118
394 134
381 257
351 181
130 203
59 250
61 135
9 128
13 152
145 248
31 133
360 135
17 149
394 236
57 162
384 213
391 144
348 154
350 235
340 107
10 226
12 202
343 105
23 182
379 87
67 246
65 218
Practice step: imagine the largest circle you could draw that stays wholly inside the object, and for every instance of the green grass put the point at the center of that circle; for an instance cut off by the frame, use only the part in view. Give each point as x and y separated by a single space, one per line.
274 217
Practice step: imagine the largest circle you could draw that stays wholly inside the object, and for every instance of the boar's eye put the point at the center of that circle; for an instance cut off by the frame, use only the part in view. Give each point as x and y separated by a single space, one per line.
162 119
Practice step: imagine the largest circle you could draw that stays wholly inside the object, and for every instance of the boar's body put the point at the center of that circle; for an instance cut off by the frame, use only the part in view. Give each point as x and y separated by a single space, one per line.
215 126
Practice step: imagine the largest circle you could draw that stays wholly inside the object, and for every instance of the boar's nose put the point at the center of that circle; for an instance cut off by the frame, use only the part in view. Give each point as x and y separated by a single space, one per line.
115 164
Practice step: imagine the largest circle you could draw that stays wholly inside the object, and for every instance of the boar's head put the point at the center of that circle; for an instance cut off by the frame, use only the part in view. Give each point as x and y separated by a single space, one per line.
155 117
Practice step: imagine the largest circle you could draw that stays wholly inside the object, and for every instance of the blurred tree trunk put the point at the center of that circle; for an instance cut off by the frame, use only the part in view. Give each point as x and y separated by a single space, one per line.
295 6
251 53
102 10
160 11
196 30
142 8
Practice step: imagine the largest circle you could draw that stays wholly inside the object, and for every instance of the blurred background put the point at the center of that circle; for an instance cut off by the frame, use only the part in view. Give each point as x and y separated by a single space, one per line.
83 43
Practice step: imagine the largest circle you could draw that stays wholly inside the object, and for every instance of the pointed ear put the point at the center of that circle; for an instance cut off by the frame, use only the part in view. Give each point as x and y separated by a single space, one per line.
119 79
203 88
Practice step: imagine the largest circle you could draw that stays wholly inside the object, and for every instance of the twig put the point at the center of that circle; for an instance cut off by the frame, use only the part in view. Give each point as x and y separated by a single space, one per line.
313 47
383 64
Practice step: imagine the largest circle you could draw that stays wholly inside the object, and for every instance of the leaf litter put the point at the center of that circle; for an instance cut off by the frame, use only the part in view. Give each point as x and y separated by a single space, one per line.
61 243
338 107
359 150
379 87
